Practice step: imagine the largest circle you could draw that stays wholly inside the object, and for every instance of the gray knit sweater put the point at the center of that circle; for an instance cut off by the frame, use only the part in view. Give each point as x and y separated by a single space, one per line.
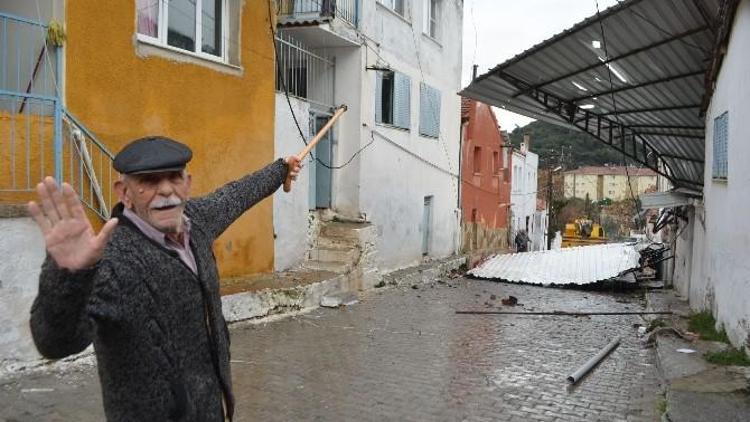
161 342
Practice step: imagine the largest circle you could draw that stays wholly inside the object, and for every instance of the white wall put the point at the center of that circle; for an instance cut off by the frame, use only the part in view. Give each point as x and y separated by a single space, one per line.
523 197
393 182
290 210
720 278
22 249
388 181
348 138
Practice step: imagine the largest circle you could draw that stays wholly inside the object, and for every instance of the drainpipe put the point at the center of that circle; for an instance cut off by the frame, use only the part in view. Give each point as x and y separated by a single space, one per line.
459 238
58 141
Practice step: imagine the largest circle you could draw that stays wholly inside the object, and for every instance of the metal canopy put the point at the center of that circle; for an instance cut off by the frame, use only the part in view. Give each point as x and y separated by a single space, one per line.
639 88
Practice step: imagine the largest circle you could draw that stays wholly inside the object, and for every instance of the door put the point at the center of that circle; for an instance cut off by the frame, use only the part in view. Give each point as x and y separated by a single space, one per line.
426 225
324 153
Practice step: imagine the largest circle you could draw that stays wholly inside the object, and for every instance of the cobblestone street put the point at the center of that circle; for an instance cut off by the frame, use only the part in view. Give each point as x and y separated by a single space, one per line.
402 354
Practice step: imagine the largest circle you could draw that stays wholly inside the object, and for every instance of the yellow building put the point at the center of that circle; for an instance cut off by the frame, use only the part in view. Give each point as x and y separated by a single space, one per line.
199 71
599 183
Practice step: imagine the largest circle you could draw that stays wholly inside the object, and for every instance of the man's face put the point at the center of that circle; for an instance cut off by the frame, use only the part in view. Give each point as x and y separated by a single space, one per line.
158 198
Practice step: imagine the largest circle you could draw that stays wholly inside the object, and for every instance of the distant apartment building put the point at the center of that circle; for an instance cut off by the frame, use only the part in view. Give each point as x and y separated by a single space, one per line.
485 179
600 183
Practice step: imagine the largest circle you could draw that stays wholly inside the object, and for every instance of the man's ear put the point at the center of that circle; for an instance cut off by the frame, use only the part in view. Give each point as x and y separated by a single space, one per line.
122 193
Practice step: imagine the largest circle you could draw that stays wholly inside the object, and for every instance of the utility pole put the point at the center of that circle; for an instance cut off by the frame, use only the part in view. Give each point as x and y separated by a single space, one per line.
549 206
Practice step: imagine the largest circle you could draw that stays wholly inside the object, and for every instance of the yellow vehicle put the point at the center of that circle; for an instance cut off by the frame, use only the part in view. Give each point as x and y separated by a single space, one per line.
583 232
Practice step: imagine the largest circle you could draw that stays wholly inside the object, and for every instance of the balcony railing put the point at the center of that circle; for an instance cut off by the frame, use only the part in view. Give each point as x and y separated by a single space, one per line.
304 73
315 10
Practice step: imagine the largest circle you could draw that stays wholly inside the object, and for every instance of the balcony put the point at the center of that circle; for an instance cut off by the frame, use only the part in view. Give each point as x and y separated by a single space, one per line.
321 23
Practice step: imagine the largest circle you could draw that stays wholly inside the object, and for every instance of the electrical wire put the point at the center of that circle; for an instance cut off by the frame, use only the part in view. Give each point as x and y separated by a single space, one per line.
617 114
280 75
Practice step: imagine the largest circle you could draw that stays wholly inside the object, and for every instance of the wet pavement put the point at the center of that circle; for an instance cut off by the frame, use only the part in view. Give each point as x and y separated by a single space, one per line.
402 354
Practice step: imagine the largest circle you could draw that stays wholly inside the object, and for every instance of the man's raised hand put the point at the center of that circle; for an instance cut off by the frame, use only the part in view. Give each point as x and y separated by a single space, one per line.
68 234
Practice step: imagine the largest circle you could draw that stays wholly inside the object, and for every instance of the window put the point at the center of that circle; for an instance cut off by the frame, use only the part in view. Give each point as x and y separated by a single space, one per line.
393 99
430 17
721 147
199 27
496 162
429 111
398 6
477 160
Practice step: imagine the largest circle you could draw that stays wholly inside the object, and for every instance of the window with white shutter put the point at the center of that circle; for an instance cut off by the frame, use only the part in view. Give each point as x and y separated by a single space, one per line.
393 99
720 147
429 111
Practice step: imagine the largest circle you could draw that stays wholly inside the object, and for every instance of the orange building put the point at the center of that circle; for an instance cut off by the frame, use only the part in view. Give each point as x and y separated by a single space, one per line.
486 178
200 71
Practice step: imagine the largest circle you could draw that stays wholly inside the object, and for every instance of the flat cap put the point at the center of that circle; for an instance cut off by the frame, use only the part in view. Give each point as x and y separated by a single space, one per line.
152 154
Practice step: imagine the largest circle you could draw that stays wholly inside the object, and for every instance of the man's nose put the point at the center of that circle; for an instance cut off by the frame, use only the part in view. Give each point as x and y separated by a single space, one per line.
165 187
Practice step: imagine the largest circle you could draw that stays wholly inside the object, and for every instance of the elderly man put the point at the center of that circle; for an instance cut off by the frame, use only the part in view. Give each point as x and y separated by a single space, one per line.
145 290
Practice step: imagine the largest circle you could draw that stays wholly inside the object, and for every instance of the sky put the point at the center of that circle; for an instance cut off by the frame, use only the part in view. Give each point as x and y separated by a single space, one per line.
496 30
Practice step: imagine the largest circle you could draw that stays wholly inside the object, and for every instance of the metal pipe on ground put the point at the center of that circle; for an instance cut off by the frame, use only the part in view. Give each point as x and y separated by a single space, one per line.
583 370
563 313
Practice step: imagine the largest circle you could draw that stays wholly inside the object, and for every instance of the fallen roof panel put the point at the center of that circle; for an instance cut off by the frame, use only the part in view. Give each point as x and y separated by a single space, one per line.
578 266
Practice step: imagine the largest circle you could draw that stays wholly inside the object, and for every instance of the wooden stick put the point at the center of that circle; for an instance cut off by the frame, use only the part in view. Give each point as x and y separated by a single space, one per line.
318 136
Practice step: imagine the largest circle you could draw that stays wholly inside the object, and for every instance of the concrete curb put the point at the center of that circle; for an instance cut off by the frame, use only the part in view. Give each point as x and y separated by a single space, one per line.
250 305
268 302
694 389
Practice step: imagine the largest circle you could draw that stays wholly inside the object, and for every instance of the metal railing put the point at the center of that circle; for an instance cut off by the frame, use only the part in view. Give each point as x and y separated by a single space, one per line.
88 166
29 104
38 137
296 10
304 73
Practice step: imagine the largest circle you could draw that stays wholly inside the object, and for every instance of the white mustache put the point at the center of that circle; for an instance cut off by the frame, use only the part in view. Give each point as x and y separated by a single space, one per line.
166 202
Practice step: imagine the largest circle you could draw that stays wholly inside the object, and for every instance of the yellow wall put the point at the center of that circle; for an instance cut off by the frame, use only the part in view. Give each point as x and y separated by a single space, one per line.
24 140
227 119
615 187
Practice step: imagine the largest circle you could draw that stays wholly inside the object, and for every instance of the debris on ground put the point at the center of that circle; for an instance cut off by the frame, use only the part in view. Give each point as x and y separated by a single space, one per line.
510 301
685 351
330 302
650 337
337 300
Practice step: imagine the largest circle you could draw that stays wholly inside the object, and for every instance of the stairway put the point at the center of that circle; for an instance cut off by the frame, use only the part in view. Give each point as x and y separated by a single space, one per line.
338 247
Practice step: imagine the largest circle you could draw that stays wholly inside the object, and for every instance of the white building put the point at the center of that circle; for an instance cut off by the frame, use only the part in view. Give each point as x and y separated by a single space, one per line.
523 198
396 64
711 266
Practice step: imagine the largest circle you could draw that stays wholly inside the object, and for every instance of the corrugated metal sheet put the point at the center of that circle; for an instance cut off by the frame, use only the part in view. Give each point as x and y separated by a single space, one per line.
579 266
655 200
660 48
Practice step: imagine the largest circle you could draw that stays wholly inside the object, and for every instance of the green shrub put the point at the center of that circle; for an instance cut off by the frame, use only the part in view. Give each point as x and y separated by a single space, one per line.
704 324
730 356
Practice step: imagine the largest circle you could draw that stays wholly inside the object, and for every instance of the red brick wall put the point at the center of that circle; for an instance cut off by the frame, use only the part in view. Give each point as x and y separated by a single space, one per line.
487 190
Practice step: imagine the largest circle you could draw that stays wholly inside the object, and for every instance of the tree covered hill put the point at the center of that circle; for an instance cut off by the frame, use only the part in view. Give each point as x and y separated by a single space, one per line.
580 149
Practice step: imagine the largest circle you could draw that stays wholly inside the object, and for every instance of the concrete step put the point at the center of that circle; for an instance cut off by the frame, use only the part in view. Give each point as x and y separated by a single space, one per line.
344 230
334 254
335 242
338 267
